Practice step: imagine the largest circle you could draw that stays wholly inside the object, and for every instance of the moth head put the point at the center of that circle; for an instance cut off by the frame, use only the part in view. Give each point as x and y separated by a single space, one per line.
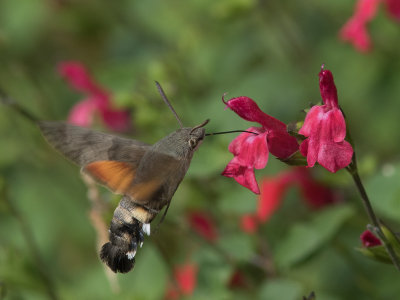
196 135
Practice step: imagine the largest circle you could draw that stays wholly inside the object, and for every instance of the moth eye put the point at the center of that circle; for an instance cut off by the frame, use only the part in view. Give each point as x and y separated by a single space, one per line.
192 143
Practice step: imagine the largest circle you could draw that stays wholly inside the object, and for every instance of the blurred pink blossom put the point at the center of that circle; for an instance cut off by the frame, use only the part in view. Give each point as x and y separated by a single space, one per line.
355 30
185 278
368 239
97 101
204 225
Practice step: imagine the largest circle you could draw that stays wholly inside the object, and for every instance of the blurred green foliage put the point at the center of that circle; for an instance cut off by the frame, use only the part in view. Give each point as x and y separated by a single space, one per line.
268 50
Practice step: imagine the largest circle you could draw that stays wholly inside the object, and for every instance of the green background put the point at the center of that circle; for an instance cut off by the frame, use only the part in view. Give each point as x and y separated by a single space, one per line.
270 51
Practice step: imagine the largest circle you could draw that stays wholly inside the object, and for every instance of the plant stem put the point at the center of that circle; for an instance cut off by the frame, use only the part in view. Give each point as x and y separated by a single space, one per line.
371 214
95 217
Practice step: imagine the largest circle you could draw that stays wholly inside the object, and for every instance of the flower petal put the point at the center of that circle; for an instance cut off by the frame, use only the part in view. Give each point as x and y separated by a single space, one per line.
249 223
393 7
313 117
186 277
355 30
328 89
336 124
117 120
304 149
315 194
236 145
242 174
79 77
272 191
247 109
335 156
82 113
282 144
368 239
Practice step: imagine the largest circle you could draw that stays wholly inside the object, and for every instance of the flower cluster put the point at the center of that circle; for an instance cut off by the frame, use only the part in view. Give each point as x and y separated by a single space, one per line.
97 102
324 132
355 30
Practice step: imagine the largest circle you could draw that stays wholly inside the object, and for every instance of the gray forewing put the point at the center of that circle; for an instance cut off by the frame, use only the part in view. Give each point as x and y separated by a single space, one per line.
83 145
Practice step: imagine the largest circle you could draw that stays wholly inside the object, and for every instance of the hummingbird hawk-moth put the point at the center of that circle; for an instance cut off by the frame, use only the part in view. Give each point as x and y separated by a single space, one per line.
146 176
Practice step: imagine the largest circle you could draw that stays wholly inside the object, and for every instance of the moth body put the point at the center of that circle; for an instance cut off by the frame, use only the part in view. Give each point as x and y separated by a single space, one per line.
146 175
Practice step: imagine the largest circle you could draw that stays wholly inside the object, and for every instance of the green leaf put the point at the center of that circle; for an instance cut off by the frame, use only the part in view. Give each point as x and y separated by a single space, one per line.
384 191
305 238
377 253
237 245
284 289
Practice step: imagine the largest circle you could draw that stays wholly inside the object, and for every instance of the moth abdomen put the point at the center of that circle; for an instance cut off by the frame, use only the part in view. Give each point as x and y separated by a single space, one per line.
128 226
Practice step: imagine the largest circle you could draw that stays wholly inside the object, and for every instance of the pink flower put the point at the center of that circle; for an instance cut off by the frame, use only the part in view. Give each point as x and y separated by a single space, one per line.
251 150
368 239
393 7
97 102
325 129
355 30
203 225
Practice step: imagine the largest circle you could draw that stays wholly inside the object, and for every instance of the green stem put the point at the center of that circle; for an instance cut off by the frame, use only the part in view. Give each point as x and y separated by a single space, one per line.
353 170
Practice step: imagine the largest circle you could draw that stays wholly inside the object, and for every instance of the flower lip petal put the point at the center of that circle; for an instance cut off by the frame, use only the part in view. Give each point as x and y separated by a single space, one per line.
247 109
242 174
253 151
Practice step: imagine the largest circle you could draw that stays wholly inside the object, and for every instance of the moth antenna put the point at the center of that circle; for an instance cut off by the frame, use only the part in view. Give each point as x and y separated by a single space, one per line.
164 97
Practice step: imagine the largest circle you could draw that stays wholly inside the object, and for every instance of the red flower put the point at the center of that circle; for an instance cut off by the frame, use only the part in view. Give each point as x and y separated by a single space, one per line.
325 129
314 193
97 101
251 150
203 225
355 30
185 278
368 239
273 190
249 223
393 7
